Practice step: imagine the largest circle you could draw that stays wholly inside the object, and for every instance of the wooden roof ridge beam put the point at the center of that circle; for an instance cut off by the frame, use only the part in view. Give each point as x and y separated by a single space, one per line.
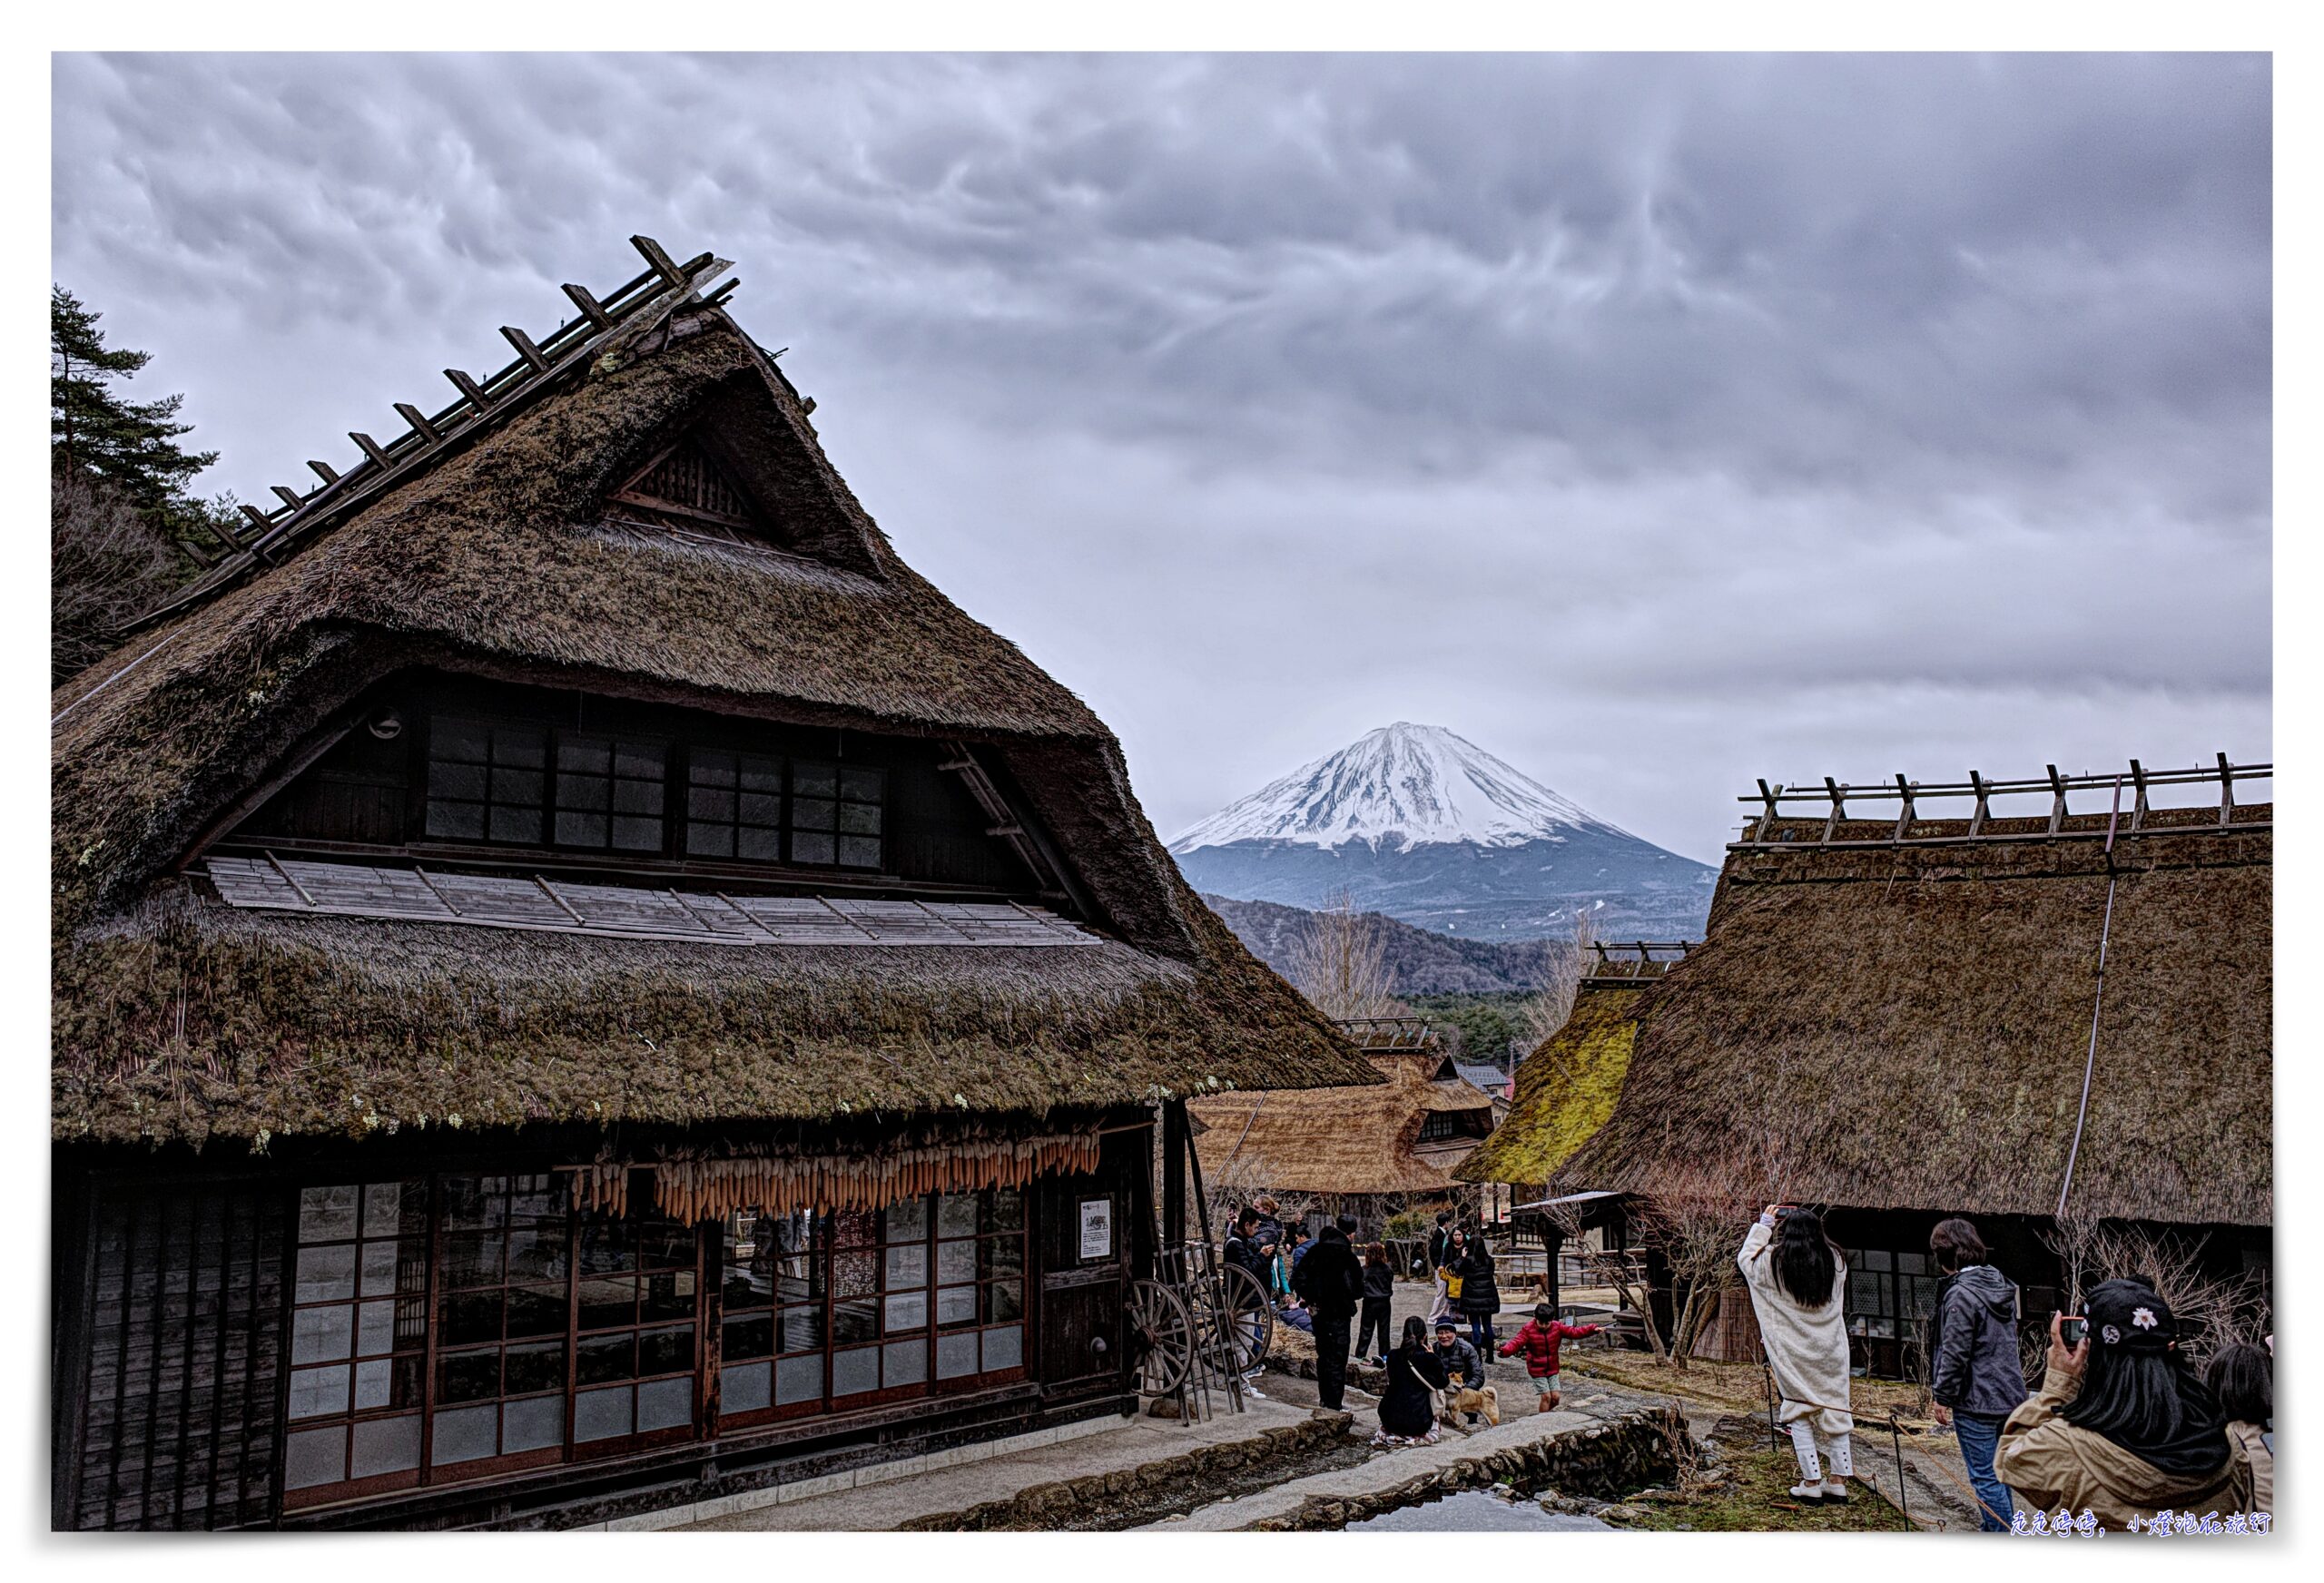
420 425
651 251
526 349
591 309
468 388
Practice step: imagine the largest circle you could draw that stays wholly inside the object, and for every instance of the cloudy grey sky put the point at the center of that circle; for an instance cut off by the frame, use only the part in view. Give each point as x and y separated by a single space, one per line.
1655 422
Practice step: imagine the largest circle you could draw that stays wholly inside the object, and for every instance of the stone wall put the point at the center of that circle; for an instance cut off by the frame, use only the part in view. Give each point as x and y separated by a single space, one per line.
1610 1458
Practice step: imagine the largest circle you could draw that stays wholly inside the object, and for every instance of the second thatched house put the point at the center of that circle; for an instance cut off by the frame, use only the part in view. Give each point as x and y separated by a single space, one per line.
1368 1152
2053 1024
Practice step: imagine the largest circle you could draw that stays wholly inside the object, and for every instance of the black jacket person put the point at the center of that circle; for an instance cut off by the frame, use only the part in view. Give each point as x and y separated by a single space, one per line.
1330 1281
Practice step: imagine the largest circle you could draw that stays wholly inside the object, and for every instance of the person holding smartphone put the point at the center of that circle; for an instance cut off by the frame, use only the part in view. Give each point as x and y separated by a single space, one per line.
1798 1280
1974 1375
2121 1427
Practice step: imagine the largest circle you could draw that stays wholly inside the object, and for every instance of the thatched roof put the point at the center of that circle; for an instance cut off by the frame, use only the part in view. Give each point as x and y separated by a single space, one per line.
494 562
1565 1090
1337 1140
1906 1026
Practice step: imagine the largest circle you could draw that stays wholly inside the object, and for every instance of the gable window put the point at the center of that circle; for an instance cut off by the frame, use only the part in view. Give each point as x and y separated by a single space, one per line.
835 815
735 806
609 792
523 784
486 780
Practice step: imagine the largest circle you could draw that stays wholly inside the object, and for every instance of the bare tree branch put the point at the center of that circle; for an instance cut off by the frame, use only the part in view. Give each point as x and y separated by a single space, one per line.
1342 963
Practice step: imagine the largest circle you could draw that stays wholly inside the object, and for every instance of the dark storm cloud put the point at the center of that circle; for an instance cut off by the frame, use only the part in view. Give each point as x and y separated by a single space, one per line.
1775 414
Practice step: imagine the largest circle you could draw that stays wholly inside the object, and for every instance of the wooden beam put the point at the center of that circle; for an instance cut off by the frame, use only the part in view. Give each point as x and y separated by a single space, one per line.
418 421
524 348
325 471
591 309
2058 803
2226 793
2137 807
371 448
651 251
258 517
288 496
469 388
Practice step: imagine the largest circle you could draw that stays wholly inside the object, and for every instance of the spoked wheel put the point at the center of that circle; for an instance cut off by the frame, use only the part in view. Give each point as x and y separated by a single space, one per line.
1248 1320
1161 1337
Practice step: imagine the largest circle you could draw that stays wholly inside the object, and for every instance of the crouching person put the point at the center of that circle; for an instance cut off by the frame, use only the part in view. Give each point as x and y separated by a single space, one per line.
1466 1394
1539 1341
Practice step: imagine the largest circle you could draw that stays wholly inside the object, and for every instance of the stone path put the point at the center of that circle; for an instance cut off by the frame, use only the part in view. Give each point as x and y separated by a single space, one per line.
1126 1445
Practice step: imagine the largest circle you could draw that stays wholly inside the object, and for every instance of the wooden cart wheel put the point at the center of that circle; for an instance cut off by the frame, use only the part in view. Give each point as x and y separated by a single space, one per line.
1161 1337
1248 1319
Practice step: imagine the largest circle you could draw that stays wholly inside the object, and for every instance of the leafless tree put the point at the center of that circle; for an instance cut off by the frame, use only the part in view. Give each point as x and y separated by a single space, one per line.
107 564
1564 963
1342 963
1695 1219
2211 1309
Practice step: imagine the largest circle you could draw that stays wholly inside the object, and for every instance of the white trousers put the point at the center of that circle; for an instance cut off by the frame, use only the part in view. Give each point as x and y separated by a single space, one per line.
1807 1440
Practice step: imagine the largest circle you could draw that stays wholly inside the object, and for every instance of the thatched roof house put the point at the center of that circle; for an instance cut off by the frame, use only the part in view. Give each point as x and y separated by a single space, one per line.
567 857
1907 1024
1895 1017
1402 1138
1565 1089
181 1018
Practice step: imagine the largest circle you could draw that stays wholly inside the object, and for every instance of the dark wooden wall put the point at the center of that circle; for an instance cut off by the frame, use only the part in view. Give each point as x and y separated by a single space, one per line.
168 1384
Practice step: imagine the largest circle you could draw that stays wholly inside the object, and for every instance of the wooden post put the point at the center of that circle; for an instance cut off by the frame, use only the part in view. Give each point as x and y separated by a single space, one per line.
2226 793
2057 800
1173 1173
1839 810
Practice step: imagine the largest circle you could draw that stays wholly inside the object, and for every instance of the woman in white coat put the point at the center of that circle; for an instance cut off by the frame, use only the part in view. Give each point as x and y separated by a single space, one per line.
1798 1280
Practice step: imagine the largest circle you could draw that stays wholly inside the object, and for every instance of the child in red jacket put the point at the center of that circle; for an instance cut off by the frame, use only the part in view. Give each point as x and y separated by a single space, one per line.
1539 1341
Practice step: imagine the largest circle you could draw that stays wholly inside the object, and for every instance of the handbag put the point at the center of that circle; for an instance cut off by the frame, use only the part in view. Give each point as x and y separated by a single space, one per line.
1452 1285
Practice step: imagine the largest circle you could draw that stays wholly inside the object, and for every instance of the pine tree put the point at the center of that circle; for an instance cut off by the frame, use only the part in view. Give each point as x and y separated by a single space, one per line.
119 516
93 429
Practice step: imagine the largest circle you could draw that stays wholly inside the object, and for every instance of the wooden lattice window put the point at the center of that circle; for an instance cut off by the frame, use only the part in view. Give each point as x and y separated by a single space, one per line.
184 1344
839 1310
685 482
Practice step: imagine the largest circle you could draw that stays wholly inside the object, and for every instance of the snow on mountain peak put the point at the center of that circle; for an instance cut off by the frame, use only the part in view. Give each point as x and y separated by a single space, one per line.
1404 783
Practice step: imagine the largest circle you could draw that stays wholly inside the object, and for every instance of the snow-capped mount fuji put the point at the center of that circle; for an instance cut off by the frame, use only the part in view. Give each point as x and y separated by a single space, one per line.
1423 825
1405 785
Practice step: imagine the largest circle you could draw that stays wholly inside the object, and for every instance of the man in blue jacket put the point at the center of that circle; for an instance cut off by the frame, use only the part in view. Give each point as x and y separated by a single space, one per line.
1975 1375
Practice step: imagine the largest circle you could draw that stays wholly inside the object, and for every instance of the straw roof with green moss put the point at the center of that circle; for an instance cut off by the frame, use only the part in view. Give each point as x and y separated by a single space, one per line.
1565 1090
1341 1140
1906 1026
177 1019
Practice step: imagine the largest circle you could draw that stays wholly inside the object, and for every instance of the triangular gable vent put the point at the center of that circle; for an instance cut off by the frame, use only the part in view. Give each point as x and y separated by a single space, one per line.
687 484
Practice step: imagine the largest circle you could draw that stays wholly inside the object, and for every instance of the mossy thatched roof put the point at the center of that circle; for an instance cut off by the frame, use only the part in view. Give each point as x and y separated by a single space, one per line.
1906 1027
495 562
1353 1140
1565 1091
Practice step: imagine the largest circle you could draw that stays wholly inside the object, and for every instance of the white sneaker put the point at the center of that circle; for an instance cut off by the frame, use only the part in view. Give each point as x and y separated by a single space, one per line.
1835 1492
1807 1494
